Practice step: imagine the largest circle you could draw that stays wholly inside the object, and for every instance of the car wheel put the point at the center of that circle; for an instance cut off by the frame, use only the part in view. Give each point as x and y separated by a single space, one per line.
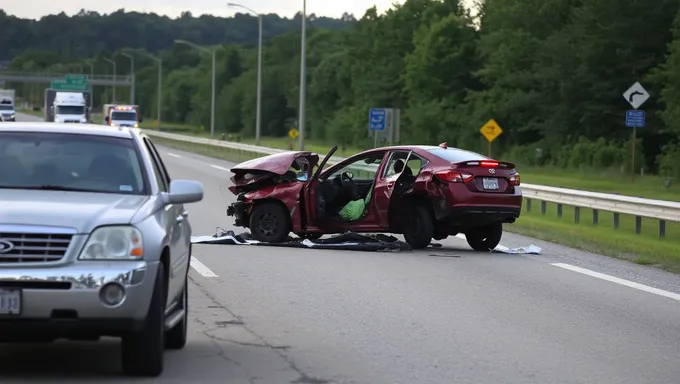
142 351
176 338
419 229
485 239
269 223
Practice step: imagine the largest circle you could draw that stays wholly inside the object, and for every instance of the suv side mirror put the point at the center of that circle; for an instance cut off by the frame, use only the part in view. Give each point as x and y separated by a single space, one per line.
106 118
184 192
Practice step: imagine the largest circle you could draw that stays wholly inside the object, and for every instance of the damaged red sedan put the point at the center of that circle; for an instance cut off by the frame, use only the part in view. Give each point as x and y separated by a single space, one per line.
422 192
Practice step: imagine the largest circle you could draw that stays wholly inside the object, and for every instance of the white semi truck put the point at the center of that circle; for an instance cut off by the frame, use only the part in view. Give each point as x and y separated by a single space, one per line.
66 106
7 107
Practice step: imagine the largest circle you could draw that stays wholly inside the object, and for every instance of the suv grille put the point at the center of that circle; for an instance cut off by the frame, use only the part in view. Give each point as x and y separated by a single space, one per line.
34 247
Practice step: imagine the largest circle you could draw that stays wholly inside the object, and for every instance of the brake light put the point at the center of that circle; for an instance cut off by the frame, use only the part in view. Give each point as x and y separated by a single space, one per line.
515 180
489 164
454 176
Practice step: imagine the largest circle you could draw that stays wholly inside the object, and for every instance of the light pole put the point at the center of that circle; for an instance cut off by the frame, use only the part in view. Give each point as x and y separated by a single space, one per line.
212 98
303 75
132 76
114 77
91 87
258 118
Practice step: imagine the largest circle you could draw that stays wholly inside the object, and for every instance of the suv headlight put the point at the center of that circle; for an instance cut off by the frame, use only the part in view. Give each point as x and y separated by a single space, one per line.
120 242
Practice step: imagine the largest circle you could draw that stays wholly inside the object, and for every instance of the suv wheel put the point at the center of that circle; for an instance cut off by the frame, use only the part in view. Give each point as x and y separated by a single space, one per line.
176 338
485 239
269 223
419 227
142 351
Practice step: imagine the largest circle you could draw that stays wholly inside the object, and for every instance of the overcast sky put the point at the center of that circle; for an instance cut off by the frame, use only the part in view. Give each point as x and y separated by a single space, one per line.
35 9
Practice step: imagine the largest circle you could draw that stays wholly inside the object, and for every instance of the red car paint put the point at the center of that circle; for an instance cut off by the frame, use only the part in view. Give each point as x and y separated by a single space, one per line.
454 190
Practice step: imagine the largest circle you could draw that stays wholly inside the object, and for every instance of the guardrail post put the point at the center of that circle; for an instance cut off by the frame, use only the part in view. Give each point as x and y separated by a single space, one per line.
596 217
559 210
638 225
662 228
616 220
528 205
544 207
577 214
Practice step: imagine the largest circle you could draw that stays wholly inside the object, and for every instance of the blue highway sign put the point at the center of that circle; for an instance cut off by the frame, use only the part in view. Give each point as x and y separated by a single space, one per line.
377 119
635 118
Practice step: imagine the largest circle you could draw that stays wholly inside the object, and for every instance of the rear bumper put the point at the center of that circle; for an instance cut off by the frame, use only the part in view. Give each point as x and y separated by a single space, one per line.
65 301
468 210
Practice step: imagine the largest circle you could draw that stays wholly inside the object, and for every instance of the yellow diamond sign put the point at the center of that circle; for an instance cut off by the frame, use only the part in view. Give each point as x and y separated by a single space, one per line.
293 133
491 130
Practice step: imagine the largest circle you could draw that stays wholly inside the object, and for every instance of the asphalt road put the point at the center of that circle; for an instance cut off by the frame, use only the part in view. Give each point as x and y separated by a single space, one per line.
445 315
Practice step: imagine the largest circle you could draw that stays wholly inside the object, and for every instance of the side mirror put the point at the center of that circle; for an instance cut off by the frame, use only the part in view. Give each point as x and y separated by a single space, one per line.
106 118
141 119
185 192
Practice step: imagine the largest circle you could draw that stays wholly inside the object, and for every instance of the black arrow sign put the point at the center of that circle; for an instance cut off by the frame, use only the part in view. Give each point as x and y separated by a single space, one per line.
630 98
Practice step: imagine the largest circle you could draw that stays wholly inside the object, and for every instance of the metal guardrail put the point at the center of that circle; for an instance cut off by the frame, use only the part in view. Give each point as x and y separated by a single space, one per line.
639 208
36 77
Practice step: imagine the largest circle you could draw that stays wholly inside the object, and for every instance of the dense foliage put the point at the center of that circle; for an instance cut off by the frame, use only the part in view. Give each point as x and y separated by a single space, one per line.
550 72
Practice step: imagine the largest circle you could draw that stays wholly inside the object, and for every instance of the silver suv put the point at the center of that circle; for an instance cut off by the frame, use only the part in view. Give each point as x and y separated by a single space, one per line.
94 240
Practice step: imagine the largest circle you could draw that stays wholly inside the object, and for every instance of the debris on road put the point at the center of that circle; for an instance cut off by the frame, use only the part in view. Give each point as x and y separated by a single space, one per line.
349 241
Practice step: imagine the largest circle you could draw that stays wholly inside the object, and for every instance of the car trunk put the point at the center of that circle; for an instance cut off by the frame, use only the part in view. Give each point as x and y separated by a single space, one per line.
488 176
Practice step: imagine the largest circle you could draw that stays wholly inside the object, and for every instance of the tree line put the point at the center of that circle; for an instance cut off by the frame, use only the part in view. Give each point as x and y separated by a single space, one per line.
550 72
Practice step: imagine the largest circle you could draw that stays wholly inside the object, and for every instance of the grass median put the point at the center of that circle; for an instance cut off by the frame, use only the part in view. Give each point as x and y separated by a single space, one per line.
645 248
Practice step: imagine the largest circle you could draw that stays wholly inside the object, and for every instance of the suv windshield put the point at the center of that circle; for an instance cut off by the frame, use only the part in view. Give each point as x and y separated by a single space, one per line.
70 162
123 116
70 110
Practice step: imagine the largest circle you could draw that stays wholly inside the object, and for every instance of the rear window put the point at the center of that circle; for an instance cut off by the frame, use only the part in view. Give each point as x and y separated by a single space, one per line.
71 161
456 155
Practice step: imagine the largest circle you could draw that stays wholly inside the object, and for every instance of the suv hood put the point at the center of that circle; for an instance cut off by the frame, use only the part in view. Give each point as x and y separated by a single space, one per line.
82 211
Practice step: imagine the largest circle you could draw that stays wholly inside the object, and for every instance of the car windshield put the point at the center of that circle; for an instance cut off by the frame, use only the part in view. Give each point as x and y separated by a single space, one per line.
70 110
70 162
456 155
5 107
123 116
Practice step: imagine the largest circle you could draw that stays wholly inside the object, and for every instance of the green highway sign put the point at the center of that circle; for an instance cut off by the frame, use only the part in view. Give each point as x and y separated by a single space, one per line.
71 82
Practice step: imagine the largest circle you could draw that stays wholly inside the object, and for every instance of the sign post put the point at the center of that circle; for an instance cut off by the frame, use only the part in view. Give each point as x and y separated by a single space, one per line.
636 95
293 134
491 130
377 122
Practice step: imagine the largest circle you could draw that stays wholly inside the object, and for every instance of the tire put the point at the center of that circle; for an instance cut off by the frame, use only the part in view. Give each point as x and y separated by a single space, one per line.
176 338
269 223
419 229
142 351
485 239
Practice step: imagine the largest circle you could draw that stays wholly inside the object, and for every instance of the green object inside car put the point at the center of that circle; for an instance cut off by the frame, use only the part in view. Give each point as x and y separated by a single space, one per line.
355 209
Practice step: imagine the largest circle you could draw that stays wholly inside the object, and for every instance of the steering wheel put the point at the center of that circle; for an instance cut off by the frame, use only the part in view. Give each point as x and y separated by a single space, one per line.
346 177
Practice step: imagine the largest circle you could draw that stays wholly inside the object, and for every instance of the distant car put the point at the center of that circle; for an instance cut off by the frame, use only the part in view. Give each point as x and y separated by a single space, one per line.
94 240
422 192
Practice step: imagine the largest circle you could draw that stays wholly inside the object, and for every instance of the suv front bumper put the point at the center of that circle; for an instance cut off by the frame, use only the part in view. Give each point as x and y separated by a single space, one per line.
66 299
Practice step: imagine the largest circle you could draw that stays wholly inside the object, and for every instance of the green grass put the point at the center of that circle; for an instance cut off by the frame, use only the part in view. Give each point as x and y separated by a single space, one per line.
31 112
645 249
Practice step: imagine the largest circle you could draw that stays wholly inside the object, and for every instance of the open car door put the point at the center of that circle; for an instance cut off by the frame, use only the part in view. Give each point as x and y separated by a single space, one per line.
389 189
310 190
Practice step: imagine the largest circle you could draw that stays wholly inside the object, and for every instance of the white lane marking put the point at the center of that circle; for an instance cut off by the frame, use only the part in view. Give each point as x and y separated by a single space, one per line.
201 268
174 155
218 167
627 283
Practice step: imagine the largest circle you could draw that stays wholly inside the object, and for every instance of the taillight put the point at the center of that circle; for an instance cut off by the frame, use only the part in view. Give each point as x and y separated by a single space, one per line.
454 176
515 180
489 164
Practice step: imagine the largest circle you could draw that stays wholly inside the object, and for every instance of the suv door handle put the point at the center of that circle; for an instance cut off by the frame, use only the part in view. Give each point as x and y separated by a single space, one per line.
185 213
179 218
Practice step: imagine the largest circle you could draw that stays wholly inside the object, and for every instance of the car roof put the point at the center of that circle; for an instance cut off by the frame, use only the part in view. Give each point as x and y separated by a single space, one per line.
71 128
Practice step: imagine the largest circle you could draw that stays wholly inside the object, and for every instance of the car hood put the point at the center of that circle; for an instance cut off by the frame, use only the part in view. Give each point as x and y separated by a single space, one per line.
278 163
79 210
